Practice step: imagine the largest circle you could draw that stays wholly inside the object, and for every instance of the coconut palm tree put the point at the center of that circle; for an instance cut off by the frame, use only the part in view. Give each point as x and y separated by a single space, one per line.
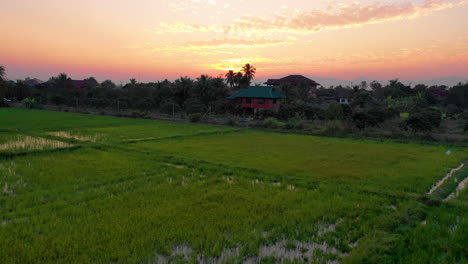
230 78
249 71
237 79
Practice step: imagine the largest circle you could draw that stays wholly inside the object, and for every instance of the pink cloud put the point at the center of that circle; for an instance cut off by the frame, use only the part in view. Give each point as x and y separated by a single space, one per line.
354 14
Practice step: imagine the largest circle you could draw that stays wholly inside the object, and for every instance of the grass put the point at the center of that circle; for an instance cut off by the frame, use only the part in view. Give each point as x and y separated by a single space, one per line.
141 191
386 166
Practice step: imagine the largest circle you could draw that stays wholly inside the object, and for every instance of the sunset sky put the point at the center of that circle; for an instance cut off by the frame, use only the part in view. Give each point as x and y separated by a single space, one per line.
156 39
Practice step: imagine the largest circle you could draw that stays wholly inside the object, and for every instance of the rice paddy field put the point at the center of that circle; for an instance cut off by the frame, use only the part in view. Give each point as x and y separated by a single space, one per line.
93 189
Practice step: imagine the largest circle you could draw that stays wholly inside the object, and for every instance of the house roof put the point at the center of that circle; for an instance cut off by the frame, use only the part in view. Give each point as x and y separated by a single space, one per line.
292 79
257 92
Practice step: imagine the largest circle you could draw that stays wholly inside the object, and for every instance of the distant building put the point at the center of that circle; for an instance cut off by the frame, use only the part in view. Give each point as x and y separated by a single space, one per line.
258 97
296 80
343 96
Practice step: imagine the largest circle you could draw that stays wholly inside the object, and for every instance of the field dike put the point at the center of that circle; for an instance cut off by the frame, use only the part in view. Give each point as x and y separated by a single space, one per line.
33 143
443 180
461 186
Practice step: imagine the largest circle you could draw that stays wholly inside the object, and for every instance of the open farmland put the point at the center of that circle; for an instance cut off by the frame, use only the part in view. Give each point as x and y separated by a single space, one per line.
93 189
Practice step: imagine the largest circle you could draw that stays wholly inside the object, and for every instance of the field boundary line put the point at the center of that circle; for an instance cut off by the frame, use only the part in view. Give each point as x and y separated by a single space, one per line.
9 155
444 179
460 187
220 132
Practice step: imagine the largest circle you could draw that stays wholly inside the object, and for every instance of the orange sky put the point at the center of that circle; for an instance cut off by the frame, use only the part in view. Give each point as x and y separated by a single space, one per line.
153 40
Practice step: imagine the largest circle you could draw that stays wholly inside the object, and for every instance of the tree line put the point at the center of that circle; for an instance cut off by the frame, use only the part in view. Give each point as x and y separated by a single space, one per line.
371 103
183 94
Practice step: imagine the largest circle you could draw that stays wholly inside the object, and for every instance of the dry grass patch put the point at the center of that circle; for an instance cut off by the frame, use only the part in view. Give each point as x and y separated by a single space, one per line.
64 134
32 143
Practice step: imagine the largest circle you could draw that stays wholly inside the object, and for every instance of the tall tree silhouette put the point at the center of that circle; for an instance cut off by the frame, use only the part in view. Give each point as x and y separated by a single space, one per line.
2 72
230 78
238 79
249 71
204 88
182 90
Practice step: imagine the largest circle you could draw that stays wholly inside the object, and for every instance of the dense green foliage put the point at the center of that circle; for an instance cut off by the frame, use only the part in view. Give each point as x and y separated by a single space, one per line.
133 191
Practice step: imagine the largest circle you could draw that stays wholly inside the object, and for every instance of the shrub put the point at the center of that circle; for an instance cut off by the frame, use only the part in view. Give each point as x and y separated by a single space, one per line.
334 112
268 113
220 106
363 120
381 114
466 127
57 99
290 110
423 121
3 103
195 117
296 122
334 128
272 123
29 102
194 106
138 114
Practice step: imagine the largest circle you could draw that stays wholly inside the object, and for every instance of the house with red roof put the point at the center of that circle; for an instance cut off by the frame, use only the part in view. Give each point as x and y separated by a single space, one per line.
258 98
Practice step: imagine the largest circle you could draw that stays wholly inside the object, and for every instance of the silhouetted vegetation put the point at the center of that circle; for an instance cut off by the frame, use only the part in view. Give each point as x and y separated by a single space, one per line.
391 107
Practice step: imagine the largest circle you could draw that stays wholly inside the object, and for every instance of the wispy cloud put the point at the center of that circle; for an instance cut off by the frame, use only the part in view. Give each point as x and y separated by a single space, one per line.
226 44
341 16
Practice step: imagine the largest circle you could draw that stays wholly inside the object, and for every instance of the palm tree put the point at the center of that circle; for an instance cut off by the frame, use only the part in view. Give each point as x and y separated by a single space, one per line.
249 71
230 78
2 72
63 77
204 88
238 78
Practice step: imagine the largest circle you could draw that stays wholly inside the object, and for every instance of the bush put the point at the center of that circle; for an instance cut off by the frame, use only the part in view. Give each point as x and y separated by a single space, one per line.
195 118
3 103
466 127
57 100
268 113
29 102
272 123
138 114
194 106
220 106
423 121
334 112
290 110
296 122
363 120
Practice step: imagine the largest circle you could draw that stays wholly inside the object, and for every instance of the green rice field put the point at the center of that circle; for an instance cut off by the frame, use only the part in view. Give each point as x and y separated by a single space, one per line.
93 189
